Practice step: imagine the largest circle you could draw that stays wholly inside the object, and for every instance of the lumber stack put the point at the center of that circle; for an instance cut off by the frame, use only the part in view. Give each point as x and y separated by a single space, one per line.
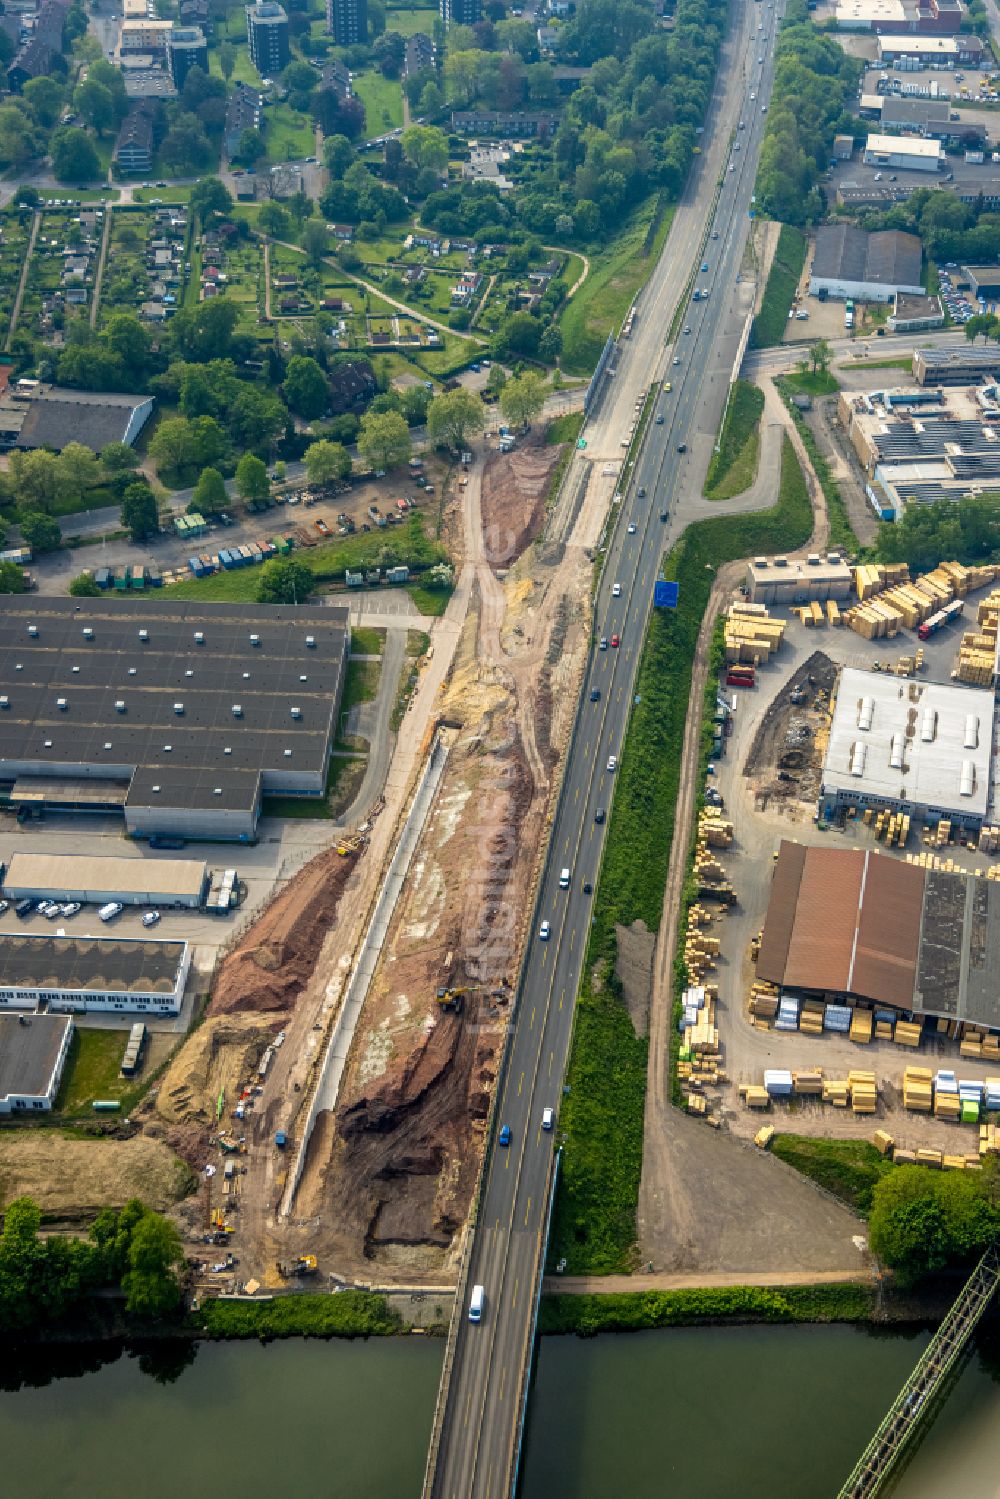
883 1142
918 1090
908 1033
716 831
764 1000
861 1026
751 636
864 1092
811 1017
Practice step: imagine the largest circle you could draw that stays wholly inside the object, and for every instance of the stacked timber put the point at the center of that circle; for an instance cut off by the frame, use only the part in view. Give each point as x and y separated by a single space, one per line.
908 1033
714 829
763 1000
861 1026
883 1142
751 635
918 1090
811 1017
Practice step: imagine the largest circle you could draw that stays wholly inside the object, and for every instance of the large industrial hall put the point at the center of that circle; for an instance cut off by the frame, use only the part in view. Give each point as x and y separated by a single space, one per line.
179 715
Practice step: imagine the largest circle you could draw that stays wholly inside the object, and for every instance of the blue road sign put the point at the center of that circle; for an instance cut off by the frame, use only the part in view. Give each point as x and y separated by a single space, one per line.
664 594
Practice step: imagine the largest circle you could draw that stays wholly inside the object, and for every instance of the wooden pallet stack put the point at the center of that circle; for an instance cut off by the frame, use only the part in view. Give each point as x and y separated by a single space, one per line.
837 1091
861 1026
908 1033
808 1084
864 1092
811 1017
715 830
918 1090
751 635
763 1004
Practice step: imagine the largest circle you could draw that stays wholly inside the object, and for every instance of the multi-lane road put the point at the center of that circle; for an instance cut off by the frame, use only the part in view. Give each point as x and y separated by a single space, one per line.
476 1454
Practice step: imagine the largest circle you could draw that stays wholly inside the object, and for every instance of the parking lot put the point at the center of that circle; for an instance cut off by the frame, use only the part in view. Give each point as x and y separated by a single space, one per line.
282 848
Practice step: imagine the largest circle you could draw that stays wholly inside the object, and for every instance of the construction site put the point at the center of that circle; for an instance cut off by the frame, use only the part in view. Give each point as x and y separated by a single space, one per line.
331 1104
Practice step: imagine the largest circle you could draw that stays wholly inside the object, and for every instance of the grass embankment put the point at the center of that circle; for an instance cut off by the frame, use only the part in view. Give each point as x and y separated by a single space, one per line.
847 1168
635 1310
734 464
367 641
347 1314
616 274
782 279
841 531
93 1070
812 382
601 1117
564 429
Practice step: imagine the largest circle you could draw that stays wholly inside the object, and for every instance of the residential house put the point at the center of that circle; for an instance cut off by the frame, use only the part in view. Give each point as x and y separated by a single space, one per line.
502 123
244 111
352 386
419 54
134 146
334 75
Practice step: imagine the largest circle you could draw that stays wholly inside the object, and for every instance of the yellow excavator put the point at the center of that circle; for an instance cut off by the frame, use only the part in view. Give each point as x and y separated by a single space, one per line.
452 999
349 844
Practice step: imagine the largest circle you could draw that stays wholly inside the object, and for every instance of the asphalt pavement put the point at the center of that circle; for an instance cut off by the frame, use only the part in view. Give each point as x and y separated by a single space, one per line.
478 1444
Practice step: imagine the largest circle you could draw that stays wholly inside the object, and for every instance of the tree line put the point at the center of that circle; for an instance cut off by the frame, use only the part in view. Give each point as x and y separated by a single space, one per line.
966 530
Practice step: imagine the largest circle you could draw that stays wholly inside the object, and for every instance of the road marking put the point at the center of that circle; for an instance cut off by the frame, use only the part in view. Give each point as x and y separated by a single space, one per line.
551 1059
531 1026
503 1381
561 998
468 1407
572 937
526 1212
514 1301
576 794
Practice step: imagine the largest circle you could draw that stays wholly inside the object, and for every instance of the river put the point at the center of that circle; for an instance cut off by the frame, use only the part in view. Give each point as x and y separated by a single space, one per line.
687 1412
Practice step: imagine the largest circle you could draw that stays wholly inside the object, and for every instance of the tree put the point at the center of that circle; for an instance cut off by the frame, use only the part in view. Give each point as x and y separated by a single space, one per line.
204 332
40 532
139 513
77 471
520 335
210 196
326 462
44 96
35 479
84 587
922 1221
186 148
522 399
256 418
11 581
315 241
118 457
19 139
306 388
180 443
550 344
151 1286
453 417
384 440
338 153
496 379
426 147
274 220
95 105
252 147
227 59
820 355
252 483
284 580
73 156
210 492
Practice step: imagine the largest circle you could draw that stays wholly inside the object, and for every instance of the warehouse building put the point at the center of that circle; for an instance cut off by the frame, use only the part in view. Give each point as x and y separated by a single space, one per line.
904 153
33 1052
848 262
956 366
851 924
178 715
920 748
984 280
784 580
76 975
134 882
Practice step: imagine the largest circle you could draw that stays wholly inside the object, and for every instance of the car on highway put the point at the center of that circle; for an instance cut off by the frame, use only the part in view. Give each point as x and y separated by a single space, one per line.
763 109
732 168
682 447
595 694
663 515
659 418
616 641
667 386
742 126
544 932
603 644
677 359
715 233
612 762
687 327
599 815
150 918
704 265
642 491
548 1118
616 590
631 528
504 1136
760 59
736 145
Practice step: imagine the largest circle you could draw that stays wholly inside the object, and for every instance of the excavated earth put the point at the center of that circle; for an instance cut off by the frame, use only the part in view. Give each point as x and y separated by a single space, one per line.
514 490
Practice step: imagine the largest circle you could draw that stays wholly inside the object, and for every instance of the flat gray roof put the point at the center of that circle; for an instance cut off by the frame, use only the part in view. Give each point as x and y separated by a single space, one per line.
97 963
201 714
899 739
29 1047
172 877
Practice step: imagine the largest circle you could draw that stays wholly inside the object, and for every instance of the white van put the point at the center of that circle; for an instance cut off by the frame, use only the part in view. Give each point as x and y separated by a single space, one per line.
564 879
477 1303
112 909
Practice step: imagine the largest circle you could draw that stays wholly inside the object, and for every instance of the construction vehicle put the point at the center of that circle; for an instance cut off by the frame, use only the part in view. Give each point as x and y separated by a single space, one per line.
349 844
303 1264
451 999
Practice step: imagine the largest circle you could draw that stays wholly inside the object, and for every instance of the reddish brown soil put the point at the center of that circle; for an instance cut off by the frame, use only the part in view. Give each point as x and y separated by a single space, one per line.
274 962
514 490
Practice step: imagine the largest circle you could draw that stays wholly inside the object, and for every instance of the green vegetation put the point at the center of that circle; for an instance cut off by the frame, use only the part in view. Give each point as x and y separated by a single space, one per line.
45 1280
366 641
850 1169
93 1071
346 1314
630 1311
924 1221
955 530
814 382
344 775
565 428
877 364
616 275
360 684
602 1115
383 101
734 463
948 228
782 280
430 601
841 531
814 86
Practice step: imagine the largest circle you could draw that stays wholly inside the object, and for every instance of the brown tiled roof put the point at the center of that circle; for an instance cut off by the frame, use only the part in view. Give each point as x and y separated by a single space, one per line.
844 921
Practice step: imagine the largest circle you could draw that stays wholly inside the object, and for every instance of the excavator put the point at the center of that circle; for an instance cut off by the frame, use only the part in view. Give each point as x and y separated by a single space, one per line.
303 1264
452 999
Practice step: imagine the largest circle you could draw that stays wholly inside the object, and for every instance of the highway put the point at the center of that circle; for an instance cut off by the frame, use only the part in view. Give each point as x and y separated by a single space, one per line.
476 1455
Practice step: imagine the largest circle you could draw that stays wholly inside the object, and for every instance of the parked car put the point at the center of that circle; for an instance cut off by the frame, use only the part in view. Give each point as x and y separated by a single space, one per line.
150 918
71 908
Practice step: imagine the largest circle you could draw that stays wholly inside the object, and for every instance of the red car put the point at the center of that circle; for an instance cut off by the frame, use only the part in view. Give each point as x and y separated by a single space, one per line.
615 641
